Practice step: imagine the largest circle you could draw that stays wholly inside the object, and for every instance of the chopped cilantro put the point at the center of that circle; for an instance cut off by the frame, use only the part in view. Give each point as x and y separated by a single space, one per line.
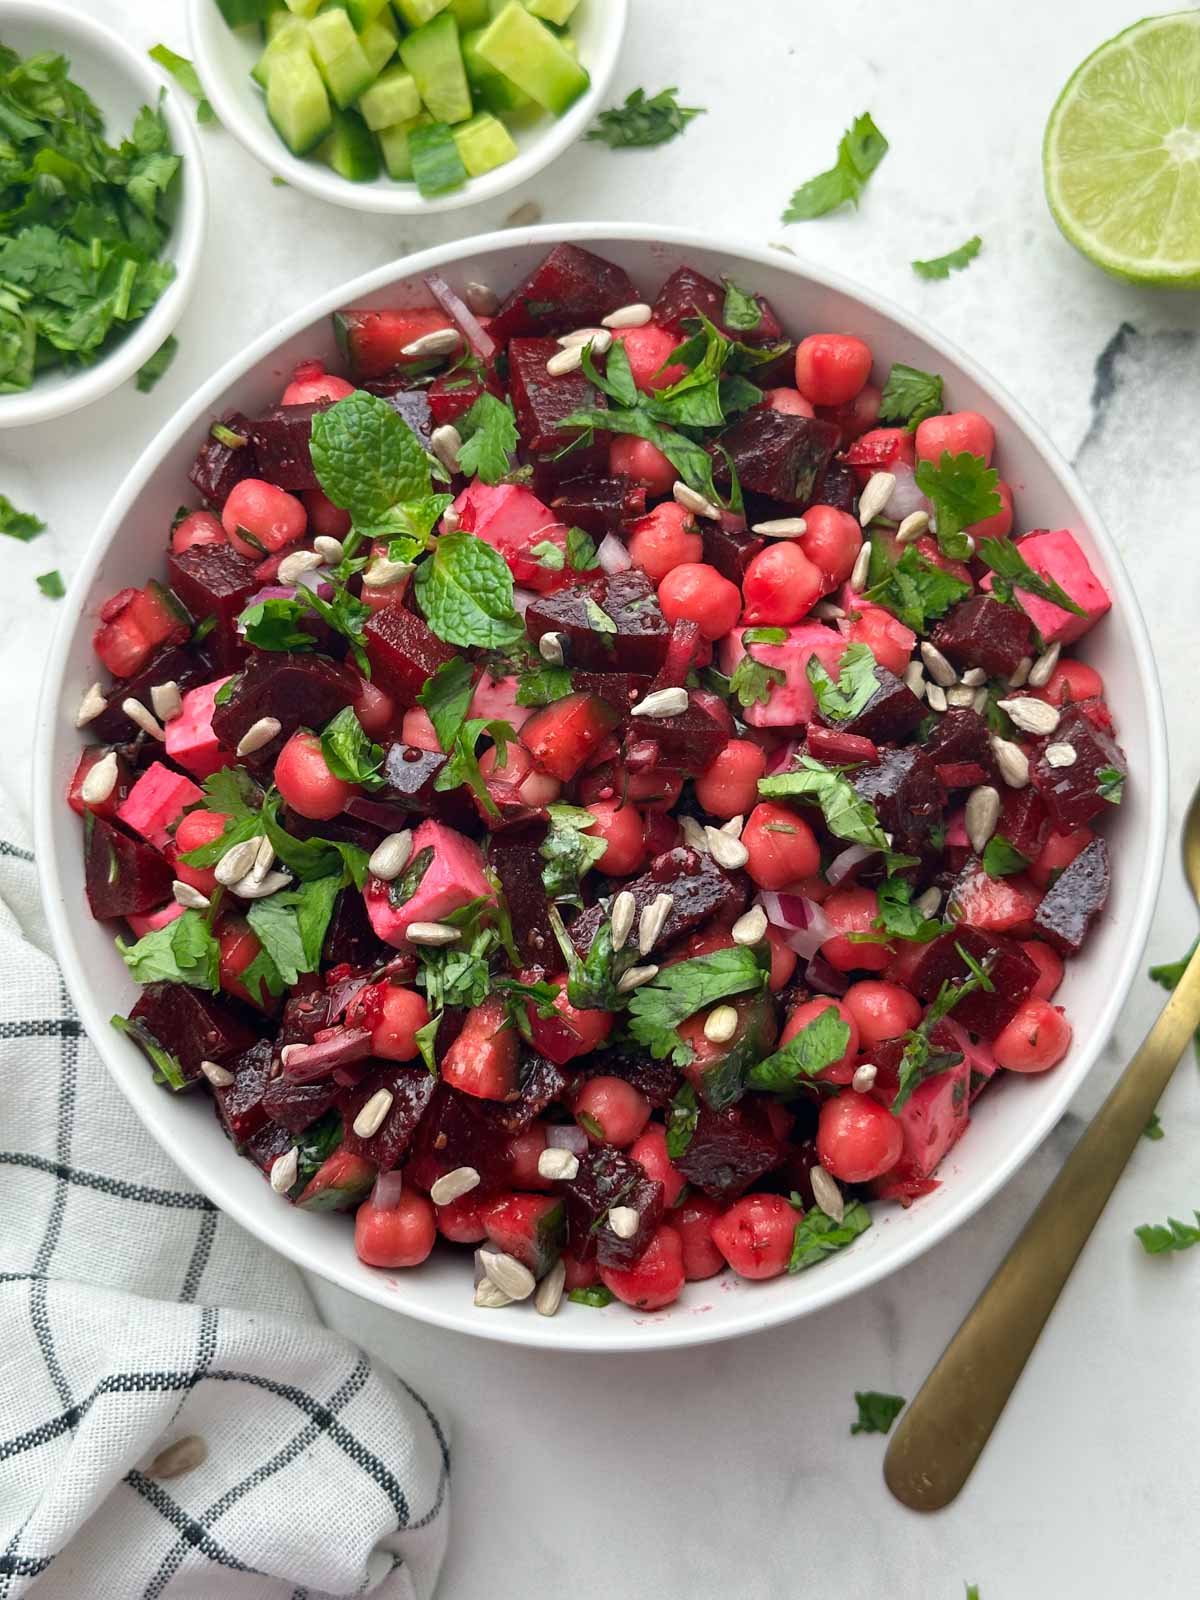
1157 1240
752 681
568 850
152 370
876 1412
683 1114
847 815
167 1067
1001 859
860 150
446 695
462 765
184 951
920 1061
643 120
51 584
855 688
22 525
962 491
1153 1129
679 991
741 312
916 591
542 685
291 924
349 753
581 550
898 918
186 76
952 261
1168 975
764 636
1111 783
910 395
818 1235
818 1045
1011 571
489 435
595 1294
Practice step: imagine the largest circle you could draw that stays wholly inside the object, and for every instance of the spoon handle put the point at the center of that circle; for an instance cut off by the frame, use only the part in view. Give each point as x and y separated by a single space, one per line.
943 1431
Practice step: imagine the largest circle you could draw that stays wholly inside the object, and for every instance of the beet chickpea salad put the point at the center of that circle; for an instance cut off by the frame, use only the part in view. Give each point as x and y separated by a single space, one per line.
602 784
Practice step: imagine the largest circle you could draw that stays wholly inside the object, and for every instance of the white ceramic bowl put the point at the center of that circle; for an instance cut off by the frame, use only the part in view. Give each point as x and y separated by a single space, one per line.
1011 1119
225 55
119 78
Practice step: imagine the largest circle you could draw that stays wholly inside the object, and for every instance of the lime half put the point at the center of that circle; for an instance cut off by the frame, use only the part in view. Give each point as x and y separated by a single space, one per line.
1121 158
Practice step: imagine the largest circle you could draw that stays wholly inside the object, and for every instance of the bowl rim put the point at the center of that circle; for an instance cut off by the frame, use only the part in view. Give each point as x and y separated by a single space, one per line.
41 404
399 199
626 1334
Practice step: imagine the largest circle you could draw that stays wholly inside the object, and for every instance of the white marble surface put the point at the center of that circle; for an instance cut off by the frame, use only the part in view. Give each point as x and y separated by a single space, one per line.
730 1470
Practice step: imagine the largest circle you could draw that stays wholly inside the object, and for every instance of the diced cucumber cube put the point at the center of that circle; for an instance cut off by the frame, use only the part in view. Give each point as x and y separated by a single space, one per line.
525 50
363 11
378 41
416 12
490 88
470 13
556 11
297 103
437 165
350 149
303 8
433 56
392 98
341 58
483 143
238 13
277 21
397 157
291 37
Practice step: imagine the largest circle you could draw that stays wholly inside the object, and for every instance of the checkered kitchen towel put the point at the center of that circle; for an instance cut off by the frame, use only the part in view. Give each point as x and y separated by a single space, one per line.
173 1422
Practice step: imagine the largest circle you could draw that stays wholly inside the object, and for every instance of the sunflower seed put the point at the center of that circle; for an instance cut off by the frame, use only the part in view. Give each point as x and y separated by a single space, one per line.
441 342
453 1185
726 852
973 677
220 1077
507 1273
599 339
330 550
285 1169
979 702
101 780
550 1291
624 1221
432 933
370 1118
734 827
137 712
864 1077
237 861
935 695
1061 755
914 678
1042 669
862 568
90 707
636 315
568 360
258 734
912 527
634 978
550 648
446 442
556 1164
652 921
929 903
1030 715
382 573
828 611
684 495
166 700
481 298
876 494
750 927
252 888
184 894
624 909
1011 761
390 856
1021 676
960 696
292 568
182 1456
936 665
451 521
490 1295
982 815
827 1194
781 528
662 703
720 1025
693 833
264 860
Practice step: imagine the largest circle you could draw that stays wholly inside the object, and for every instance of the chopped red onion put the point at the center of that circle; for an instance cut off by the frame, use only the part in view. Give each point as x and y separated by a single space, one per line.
389 1186
806 925
566 1136
905 498
612 555
476 335
272 591
844 864
307 1062
819 975
733 521
783 757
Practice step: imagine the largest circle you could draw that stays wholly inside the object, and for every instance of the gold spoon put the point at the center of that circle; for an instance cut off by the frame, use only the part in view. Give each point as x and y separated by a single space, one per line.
942 1433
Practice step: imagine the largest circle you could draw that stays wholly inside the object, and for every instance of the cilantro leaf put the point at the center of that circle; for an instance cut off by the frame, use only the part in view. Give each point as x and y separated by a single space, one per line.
291 925
1156 1240
1012 571
51 584
683 1115
311 858
186 76
349 753
952 261
366 457
465 590
184 951
152 370
847 815
643 121
316 1144
855 688
1110 779
679 991
568 850
898 918
1168 975
818 1045
910 395
860 150
962 490
595 1294
876 1412
1000 859
274 624
446 696
753 680
22 525
818 1235
581 550
490 438
915 590
920 1061
1154 1129
741 312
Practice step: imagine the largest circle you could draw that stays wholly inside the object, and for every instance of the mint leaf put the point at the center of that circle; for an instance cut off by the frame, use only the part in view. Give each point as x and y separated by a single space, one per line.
185 951
51 584
1014 572
692 462
752 681
860 150
446 696
543 685
22 525
741 312
876 1412
643 121
465 590
1000 859
855 688
274 624
847 815
291 925
568 851
916 591
679 991
1156 1240
349 753
818 1045
616 378
581 550
186 76
366 457
152 370
818 1235
910 395
462 767
962 491
1111 782
490 439
312 858
952 261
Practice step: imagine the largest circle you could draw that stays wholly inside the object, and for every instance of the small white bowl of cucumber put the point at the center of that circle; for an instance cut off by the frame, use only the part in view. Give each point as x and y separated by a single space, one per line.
406 106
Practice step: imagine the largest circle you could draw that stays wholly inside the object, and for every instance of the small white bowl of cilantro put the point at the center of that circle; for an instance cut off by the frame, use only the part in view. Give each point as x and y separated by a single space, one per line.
102 244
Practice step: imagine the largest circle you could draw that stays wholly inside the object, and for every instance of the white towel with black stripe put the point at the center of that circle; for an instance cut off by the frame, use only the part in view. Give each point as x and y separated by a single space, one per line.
173 1420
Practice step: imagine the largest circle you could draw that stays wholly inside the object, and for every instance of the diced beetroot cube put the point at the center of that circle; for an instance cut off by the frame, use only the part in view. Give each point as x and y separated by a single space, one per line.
621 689
1012 974
373 341
108 808
730 1150
980 632
541 1083
411 405
219 464
281 439
834 747
191 1025
685 653
1023 820
411 1089
1057 555
932 1118
1074 900
411 774
961 774
266 1146
571 288
519 869
482 1061
599 505
541 401
730 550
908 799
778 455
552 470
700 892
960 735
240 1104
158 799
690 742
688 293
605 1176
998 905
453 1133
646 1198
295 1106
403 652
350 938
213 580
513 520
134 623
122 875
891 713
608 622
453 878
452 394
531 1227
296 690
791 703
142 924
837 486
173 663
1075 794
191 742
340 1182
562 736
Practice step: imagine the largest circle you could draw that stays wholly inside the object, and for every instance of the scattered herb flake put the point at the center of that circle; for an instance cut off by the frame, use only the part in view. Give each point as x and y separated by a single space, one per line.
818 1235
818 1045
752 681
1111 783
1001 859
962 491
1011 571
22 525
643 120
51 584
860 150
596 1294
152 370
1157 1240
1168 975
876 1412
489 435
186 76
910 395
741 312
856 683
1154 1130
915 590
952 261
